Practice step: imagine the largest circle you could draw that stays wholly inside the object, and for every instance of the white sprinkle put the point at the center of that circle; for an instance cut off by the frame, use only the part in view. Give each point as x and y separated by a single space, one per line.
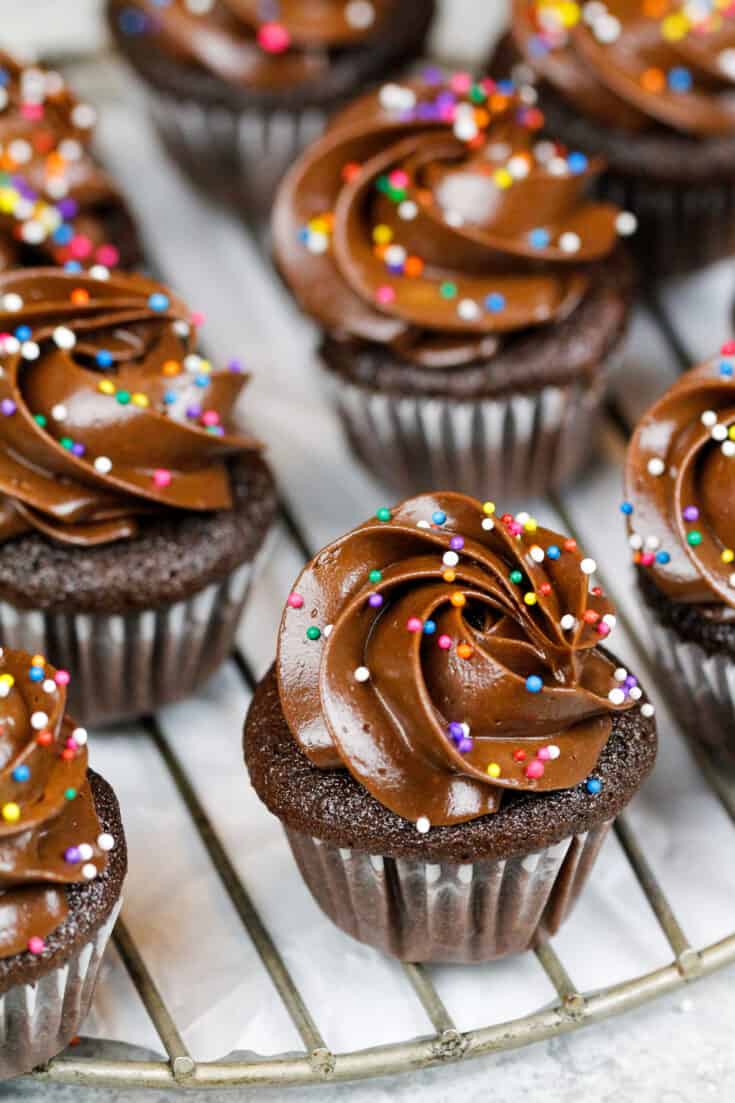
719 432
79 735
450 559
362 674
537 554
4 689
423 823
726 62
606 29
468 310
454 219
395 255
3 98
11 301
610 620
181 328
10 344
393 97
423 525
360 14
59 412
64 338
544 151
103 465
20 151
731 580
487 523
70 149
647 710
99 272
192 362
588 566
616 696
327 631
29 350
89 871
635 693
626 223
557 166
728 448
568 622
85 851
39 720
570 242
518 167
636 541
105 841
553 750
709 418
656 466
84 116
49 686
652 542
522 517
407 210
620 674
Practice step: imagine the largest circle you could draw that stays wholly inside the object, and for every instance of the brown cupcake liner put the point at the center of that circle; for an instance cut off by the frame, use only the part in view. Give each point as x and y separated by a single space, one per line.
512 446
703 688
38 1020
124 665
445 912
239 157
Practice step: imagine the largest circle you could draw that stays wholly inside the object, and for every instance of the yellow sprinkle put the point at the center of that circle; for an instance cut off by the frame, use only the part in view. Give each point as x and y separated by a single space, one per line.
493 769
569 13
11 812
531 524
7 680
727 555
8 200
530 598
205 366
139 399
382 235
106 386
502 178
674 27
488 508
731 432
318 225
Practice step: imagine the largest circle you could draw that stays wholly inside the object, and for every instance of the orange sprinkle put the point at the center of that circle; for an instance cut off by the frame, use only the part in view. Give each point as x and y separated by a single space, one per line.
464 651
413 266
79 296
653 80
449 576
350 171
171 367
458 599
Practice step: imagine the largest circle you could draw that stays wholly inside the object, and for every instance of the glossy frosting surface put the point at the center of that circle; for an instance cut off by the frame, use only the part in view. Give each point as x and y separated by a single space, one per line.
636 63
431 218
49 832
443 654
107 412
680 486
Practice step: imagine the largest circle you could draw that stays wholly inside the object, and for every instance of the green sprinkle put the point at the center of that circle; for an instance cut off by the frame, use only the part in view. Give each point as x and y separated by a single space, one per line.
383 514
382 183
313 633
40 420
517 577
448 290
123 397
477 94
375 576
67 442
397 195
694 538
70 794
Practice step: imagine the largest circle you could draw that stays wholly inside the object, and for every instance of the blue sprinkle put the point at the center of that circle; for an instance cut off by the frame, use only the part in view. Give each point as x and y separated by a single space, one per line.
680 79
201 380
506 87
158 301
534 683
132 21
169 398
23 333
594 785
438 517
63 234
626 508
4 78
36 674
725 368
539 238
104 358
577 163
72 266
663 557
553 552
429 627
21 773
495 302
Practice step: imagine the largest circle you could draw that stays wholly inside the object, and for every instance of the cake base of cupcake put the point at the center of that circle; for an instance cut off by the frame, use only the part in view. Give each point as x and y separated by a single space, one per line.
44 998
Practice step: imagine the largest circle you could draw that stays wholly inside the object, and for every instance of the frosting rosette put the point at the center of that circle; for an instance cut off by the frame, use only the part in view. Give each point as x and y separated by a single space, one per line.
431 218
107 412
55 201
635 64
444 655
50 835
680 486
261 46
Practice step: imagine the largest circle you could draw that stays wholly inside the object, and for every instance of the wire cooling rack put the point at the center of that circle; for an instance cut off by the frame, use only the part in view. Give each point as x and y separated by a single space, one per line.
217 264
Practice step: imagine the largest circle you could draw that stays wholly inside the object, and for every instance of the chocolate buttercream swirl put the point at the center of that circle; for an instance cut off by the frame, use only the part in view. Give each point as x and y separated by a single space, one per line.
261 45
49 832
107 413
430 218
55 201
443 655
636 63
680 486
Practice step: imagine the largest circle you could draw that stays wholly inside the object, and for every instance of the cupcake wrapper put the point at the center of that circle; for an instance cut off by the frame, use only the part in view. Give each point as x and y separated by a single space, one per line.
38 1020
125 665
419 911
240 157
511 447
703 687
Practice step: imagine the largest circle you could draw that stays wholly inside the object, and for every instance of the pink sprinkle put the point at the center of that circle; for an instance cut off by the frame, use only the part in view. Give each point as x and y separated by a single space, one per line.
445 642
535 769
295 601
36 945
274 38
162 477
385 294
80 247
108 255
62 677
460 82
210 417
414 624
543 754
33 111
197 318
72 744
647 559
603 629
398 179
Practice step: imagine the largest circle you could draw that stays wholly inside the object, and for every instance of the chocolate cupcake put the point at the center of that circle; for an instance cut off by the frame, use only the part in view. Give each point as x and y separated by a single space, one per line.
57 206
649 87
130 509
62 865
443 737
680 508
239 88
470 295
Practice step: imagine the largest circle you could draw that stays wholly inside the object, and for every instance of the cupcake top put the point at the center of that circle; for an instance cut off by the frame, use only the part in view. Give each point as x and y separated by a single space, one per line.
55 201
635 64
261 44
680 486
50 835
431 218
443 655
107 412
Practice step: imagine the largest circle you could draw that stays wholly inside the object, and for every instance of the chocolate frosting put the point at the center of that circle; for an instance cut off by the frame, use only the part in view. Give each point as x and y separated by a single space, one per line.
107 413
262 45
443 655
635 64
49 832
680 483
54 198
431 219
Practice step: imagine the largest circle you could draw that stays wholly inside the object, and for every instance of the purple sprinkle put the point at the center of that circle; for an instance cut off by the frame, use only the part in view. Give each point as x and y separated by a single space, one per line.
456 731
456 543
426 112
8 407
432 74
465 744
630 681
68 208
691 513
234 366
72 855
375 600
78 449
193 412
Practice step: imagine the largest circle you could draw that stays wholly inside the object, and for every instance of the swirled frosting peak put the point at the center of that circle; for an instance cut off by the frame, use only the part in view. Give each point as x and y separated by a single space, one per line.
635 63
444 654
107 412
430 217
49 832
680 486
53 196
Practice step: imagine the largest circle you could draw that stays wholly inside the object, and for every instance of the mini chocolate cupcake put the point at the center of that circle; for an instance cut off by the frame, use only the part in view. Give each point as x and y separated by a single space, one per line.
130 510
57 206
239 88
680 507
649 87
470 294
62 865
443 737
